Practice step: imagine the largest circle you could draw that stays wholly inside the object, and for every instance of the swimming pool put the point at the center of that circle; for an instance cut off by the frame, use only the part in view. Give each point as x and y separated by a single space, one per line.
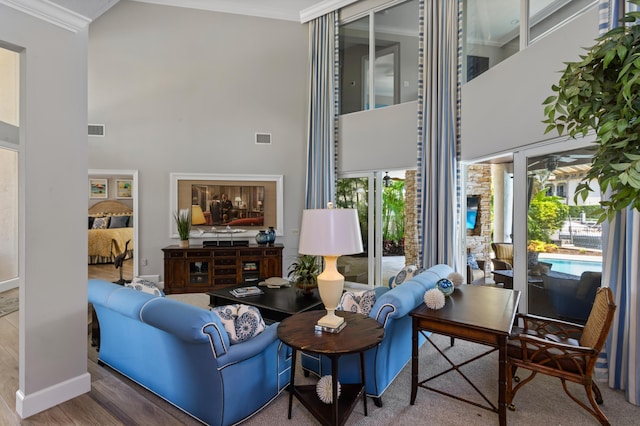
572 266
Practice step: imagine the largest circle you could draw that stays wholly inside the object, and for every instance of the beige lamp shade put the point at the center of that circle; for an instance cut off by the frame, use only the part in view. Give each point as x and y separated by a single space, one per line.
197 217
330 233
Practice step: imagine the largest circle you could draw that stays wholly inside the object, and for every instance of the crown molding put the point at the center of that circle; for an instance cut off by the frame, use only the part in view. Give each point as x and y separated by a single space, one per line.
322 8
228 6
50 12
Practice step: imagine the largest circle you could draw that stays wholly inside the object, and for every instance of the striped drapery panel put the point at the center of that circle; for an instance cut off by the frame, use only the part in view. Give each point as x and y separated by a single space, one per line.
438 190
323 111
622 270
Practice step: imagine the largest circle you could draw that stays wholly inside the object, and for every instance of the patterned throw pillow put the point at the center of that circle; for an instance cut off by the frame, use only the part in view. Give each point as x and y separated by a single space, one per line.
407 272
358 301
145 286
100 223
242 322
471 261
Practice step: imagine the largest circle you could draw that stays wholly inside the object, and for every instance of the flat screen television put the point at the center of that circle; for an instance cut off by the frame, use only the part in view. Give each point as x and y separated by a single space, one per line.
472 210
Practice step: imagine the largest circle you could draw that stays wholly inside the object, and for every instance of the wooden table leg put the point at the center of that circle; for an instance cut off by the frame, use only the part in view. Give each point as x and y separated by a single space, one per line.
364 385
334 390
414 361
502 380
292 381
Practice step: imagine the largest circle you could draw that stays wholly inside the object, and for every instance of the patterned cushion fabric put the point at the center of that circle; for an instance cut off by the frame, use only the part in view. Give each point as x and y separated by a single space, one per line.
100 223
145 286
406 273
504 251
241 322
471 261
358 301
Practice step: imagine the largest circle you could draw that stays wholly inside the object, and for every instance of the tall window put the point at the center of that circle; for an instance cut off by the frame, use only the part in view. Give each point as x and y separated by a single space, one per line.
390 36
493 30
9 121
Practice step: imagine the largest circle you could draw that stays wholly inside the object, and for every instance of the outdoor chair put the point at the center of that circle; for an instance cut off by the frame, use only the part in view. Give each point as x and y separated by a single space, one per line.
503 256
561 349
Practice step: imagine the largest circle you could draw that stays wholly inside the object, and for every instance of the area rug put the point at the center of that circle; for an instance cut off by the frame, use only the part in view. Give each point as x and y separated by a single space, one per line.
8 304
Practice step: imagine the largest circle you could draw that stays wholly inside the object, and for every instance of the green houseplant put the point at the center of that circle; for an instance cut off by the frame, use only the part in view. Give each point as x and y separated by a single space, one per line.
305 272
183 224
601 92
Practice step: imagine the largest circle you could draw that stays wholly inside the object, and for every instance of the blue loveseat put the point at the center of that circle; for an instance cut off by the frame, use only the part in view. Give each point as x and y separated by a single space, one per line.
182 353
384 363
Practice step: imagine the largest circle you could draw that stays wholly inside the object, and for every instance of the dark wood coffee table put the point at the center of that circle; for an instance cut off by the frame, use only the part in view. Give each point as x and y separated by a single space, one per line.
275 304
360 333
478 314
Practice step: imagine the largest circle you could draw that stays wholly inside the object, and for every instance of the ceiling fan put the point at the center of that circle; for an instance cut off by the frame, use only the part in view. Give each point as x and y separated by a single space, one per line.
553 161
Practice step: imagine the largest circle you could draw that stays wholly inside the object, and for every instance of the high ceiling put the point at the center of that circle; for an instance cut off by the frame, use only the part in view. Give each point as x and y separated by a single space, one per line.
276 9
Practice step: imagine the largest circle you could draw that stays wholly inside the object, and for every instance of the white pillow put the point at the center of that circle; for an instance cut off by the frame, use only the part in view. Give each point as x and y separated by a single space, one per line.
357 301
406 273
145 286
242 322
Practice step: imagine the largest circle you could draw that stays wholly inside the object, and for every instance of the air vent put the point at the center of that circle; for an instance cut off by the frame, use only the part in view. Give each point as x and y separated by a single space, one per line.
96 129
263 138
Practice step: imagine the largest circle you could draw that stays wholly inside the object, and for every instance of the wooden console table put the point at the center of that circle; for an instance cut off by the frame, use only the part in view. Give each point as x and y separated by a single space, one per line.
199 269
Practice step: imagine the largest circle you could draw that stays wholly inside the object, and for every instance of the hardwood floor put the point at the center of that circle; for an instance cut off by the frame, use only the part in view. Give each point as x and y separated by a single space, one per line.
113 399
108 272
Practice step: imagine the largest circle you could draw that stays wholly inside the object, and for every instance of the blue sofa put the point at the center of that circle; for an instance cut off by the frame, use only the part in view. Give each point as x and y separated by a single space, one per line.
384 362
182 353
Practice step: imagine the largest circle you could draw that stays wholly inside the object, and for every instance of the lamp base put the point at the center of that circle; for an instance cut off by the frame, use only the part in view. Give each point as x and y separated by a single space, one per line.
331 320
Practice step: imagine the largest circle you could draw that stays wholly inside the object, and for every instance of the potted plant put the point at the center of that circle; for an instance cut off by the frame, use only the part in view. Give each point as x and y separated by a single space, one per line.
183 224
600 93
305 272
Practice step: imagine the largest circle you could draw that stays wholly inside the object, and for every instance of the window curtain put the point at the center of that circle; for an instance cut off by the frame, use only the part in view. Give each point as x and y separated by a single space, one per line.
622 270
438 173
323 111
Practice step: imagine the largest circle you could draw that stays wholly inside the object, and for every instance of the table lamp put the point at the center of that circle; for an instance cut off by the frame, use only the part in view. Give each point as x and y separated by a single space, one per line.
330 233
238 201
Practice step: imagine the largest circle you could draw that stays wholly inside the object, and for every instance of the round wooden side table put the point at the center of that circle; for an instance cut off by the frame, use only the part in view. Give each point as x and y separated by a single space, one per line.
360 333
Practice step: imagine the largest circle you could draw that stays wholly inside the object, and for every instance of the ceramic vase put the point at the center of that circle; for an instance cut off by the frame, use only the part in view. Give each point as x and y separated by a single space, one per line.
272 235
262 237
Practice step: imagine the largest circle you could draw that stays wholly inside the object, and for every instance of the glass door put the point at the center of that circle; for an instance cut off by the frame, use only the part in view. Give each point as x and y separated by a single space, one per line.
357 191
379 198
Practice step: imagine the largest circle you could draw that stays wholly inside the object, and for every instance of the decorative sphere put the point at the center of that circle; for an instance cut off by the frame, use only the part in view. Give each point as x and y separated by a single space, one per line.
324 389
456 278
434 299
445 286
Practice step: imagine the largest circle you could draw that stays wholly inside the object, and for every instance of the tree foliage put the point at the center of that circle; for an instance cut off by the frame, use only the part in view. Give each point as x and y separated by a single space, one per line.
601 92
546 215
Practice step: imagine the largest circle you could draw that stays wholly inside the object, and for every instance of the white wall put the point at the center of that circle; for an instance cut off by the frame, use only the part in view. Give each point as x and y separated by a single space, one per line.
502 108
53 241
185 91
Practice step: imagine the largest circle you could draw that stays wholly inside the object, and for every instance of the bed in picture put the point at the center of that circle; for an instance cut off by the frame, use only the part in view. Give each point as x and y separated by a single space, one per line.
110 231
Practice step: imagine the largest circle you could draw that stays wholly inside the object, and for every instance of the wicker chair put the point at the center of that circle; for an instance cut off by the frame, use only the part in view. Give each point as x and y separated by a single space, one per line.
561 349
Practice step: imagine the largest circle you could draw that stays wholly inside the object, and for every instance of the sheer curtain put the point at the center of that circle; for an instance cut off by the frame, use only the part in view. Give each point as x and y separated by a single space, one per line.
622 270
438 132
323 111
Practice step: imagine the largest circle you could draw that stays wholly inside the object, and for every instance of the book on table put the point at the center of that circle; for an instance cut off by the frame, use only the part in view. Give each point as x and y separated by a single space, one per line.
246 291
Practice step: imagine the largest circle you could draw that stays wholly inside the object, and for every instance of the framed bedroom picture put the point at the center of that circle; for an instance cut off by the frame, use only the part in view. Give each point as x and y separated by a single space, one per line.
98 188
124 188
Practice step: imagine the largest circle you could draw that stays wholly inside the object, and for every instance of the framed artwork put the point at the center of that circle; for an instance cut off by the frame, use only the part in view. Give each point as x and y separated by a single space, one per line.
98 188
221 203
124 188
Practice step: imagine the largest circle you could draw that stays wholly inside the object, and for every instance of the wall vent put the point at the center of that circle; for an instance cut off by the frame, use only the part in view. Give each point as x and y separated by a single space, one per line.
263 138
96 129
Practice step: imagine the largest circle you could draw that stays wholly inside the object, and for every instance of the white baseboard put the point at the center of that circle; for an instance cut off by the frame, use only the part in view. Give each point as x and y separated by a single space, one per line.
28 405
